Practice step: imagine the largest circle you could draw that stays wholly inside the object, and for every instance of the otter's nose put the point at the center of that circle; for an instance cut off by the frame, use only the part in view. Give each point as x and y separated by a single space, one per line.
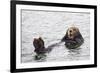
70 31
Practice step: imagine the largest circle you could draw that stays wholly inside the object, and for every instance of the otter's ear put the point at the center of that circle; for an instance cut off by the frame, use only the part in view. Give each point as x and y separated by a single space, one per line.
40 38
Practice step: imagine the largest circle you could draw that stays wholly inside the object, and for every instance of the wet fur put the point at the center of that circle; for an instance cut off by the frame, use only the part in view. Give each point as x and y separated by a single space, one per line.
74 42
39 45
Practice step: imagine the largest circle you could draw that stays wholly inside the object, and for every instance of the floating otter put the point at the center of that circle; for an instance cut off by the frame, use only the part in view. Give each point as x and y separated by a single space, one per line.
40 48
39 45
73 38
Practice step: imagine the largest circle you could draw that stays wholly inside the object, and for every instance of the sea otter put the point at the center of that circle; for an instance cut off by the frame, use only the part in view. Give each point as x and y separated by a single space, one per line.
40 49
73 38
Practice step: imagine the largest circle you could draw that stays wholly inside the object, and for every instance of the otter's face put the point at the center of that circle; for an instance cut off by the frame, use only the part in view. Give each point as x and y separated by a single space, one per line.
38 43
72 32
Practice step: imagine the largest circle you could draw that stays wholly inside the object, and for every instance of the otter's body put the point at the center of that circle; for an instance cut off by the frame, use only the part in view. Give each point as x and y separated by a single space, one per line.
73 38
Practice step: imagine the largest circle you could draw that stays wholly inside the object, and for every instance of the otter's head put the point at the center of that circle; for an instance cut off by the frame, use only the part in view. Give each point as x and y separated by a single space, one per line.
38 43
72 32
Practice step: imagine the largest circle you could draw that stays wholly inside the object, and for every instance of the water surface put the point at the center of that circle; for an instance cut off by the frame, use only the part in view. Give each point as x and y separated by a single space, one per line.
52 26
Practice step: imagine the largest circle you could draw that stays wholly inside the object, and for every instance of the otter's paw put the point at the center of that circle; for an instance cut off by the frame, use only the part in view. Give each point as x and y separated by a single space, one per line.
72 46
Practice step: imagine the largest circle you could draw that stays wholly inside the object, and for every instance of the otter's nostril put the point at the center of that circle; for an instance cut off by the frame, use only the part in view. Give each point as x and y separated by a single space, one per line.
70 30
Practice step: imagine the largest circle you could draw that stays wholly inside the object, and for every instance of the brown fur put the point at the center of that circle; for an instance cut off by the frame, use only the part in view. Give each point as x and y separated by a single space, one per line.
39 45
72 32
73 38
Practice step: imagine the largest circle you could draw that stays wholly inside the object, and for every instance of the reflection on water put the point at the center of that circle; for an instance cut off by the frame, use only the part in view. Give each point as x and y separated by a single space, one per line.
74 53
51 26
